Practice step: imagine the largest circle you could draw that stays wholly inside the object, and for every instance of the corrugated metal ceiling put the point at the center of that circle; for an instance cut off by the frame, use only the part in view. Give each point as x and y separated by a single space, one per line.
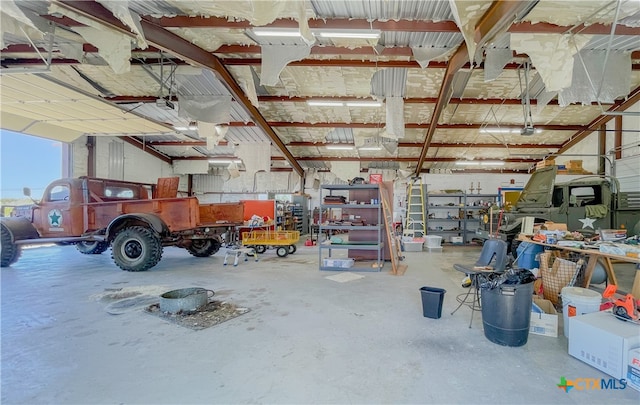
339 70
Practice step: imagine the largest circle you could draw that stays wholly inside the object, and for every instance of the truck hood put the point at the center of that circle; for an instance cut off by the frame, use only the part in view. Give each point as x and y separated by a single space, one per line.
539 189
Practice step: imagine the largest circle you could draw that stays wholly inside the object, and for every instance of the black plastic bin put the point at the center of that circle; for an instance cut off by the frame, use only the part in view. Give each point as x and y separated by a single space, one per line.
506 313
432 299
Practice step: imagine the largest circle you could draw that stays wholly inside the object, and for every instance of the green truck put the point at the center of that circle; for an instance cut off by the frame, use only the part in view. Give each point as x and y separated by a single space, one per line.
586 204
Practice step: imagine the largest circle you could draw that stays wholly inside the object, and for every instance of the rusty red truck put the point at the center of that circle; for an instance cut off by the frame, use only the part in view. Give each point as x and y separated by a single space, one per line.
136 220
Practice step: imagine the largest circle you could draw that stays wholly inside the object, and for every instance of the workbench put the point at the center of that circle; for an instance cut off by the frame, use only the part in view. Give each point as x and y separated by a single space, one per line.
593 256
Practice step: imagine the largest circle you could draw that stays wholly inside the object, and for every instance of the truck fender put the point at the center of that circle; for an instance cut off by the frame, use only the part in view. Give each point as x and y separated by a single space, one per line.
150 220
20 228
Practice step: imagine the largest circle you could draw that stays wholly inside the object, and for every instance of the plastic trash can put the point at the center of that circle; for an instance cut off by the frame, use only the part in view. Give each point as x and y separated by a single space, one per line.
506 313
432 299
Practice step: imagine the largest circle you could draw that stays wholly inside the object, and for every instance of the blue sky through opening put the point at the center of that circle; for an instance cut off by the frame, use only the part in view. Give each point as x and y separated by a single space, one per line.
27 161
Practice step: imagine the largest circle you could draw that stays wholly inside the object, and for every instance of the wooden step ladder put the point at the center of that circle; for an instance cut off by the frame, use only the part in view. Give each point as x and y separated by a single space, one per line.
415 225
392 239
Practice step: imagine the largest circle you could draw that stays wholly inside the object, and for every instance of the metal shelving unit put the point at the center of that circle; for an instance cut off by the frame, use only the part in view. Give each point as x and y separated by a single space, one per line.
363 242
461 218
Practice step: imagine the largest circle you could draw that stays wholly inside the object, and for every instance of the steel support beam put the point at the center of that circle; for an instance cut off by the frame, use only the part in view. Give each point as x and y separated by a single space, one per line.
442 145
142 146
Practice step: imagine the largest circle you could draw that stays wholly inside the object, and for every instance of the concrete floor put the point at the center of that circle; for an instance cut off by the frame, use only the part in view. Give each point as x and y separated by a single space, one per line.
307 339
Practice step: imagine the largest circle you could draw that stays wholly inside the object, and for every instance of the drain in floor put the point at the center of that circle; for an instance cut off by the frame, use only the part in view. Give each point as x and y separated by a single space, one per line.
213 313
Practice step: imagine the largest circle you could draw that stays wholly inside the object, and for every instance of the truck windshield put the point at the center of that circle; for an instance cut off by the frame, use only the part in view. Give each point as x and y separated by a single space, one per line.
585 195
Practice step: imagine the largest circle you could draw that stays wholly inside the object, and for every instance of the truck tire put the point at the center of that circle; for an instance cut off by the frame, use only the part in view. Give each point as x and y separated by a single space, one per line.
10 252
92 248
136 249
204 247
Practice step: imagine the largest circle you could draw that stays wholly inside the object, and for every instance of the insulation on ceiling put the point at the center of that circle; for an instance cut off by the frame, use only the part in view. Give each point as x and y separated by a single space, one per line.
276 57
211 133
593 11
466 14
190 166
390 82
14 21
212 109
425 55
395 117
590 85
551 55
120 9
256 156
494 62
244 77
113 46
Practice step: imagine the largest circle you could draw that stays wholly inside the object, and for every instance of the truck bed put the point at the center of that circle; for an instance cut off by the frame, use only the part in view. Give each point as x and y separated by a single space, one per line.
178 213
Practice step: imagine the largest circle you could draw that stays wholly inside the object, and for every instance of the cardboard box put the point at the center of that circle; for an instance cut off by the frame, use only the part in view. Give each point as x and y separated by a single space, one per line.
603 341
545 163
633 369
545 324
574 165
555 226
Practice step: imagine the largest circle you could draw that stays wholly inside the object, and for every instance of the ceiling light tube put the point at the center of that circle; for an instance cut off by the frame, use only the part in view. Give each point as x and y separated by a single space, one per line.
280 32
498 130
180 128
467 163
363 34
492 163
339 146
370 148
364 104
323 103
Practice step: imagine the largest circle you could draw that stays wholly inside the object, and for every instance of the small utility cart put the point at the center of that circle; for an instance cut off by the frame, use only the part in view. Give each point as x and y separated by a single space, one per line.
283 241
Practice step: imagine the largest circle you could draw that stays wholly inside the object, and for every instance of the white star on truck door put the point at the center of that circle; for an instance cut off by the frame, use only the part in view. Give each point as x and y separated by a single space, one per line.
587 222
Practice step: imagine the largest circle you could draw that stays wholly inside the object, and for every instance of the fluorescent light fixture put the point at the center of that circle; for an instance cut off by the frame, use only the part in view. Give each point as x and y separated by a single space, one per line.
492 163
370 148
488 130
364 104
276 32
225 161
363 34
467 163
325 103
339 146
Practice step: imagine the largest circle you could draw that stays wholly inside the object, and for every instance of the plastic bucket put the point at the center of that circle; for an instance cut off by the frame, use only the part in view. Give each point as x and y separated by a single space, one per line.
433 241
506 313
526 253
578 301
432 299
